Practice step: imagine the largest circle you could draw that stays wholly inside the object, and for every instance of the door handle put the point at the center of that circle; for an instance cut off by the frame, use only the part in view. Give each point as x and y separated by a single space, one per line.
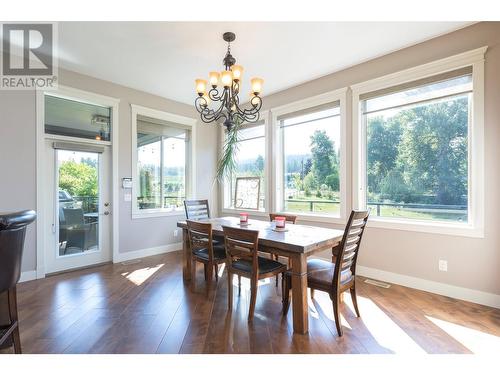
106 204
106 213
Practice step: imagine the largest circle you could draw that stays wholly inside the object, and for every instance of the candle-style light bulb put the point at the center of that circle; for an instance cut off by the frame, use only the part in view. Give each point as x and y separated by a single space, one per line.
256 84
201 86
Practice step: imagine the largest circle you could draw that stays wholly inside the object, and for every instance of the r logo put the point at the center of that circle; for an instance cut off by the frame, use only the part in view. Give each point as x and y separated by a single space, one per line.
27 49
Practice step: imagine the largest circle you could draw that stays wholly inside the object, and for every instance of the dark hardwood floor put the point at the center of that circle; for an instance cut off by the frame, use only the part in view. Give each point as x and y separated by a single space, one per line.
145 307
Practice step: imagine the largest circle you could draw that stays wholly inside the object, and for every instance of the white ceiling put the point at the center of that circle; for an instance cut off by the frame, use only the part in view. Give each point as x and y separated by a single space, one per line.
165 58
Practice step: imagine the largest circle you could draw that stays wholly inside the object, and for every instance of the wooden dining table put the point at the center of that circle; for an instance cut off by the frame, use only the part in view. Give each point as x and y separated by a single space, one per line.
296 243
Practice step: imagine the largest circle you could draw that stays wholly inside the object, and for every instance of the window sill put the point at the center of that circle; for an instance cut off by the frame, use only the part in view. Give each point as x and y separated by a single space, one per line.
464 230
156 213
318 218
233 211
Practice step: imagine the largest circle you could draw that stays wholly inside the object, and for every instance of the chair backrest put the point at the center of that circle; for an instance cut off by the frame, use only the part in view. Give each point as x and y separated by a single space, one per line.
197 209
200 237
345 265
288 218
73 216
242 244
12 234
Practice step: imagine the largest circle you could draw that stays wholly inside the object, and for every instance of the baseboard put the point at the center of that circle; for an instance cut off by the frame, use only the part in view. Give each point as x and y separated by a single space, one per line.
471 295
142 253
27 276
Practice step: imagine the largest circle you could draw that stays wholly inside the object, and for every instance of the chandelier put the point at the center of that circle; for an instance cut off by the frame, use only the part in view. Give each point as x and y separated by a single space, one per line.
225 88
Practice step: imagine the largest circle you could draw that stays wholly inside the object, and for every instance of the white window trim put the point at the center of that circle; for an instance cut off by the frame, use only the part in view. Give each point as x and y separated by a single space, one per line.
191 167
475 227
277 155
264 116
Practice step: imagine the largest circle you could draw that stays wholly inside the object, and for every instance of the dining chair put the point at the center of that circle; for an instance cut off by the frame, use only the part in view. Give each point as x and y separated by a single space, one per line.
197 209
289 219
242 247
204 250
335 278
12 235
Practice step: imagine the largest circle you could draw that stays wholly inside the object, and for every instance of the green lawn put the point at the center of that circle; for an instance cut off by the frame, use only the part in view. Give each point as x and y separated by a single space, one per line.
385 211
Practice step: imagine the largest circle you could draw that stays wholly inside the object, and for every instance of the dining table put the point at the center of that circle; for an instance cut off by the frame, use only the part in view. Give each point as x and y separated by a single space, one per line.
297 243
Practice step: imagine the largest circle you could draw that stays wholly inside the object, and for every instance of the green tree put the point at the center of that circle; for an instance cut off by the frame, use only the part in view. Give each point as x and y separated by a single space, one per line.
310 183
259 164
78 179
333 181
394 187
382 149
307 167
323 156
434 149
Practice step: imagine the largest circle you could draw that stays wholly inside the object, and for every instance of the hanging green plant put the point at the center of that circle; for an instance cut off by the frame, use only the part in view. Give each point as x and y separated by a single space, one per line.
226 165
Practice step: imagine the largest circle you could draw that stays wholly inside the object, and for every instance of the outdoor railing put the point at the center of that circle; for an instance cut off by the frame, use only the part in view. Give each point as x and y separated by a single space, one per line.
420 207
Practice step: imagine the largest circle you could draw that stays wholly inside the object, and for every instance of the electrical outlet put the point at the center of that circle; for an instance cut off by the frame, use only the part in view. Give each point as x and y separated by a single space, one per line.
176 232
443 265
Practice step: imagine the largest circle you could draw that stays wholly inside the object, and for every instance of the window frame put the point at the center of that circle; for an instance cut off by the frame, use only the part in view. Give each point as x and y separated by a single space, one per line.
190 164
475 225
339 95
264 117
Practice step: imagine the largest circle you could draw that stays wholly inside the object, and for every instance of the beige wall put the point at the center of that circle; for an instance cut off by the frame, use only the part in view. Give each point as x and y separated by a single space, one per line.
472 262
18 160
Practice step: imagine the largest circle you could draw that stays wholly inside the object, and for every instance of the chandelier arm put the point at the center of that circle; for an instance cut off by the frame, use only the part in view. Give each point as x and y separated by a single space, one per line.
208 115
214 95
255 108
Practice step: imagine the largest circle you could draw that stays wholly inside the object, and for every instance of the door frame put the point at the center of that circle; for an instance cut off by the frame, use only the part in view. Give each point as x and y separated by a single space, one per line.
41 167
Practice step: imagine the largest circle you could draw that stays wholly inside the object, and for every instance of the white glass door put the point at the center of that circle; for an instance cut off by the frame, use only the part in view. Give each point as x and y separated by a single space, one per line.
78 229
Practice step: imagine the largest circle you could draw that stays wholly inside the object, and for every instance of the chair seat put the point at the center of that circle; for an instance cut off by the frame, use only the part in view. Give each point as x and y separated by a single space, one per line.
265 265
321 272
219 253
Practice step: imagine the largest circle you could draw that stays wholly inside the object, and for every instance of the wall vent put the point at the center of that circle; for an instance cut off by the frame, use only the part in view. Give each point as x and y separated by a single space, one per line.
380 284
129 262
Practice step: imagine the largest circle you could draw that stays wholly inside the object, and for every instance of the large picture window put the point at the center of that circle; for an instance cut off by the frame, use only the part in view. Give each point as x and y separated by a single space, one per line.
417 148
245 189
311 140
162 162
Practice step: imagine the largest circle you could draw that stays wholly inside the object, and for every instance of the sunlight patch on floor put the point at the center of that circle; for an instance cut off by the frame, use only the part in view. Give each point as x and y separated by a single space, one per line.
383 329
141 275
222 267
476 341
326 308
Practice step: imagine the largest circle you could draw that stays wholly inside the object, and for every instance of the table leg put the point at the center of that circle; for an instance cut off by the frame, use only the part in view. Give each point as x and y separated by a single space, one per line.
299 294
186 256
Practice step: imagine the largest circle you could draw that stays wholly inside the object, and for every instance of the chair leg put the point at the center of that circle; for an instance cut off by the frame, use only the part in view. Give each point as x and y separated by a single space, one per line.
354 300
312 293
286 294
229 291
193 275
276 258
12 298
336 305
239 285
210 271
216 266
205 270
253 298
